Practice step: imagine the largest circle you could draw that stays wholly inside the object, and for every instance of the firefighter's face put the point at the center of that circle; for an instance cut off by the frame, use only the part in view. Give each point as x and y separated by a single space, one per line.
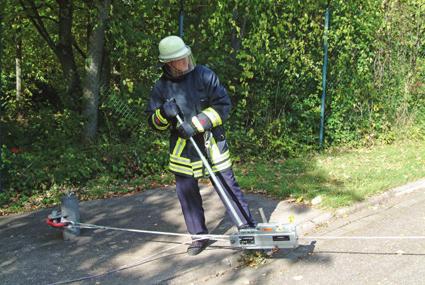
181 65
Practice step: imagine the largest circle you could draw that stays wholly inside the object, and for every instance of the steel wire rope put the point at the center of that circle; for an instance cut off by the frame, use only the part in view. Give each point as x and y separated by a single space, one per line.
124 267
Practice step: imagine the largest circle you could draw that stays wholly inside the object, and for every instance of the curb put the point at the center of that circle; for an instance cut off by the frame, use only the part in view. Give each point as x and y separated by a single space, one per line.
305 227
395 192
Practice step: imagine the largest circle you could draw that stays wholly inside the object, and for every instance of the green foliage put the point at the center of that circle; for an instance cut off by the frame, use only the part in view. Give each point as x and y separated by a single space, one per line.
269 55
32 171
373 67
43 168
43 151
274 70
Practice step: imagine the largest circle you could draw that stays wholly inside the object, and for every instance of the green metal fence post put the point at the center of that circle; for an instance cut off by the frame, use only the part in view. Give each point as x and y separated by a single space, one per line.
181 15
324 71
1 87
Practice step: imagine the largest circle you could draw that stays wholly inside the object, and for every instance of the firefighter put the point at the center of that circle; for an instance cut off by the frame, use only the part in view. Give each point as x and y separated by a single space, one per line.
195 93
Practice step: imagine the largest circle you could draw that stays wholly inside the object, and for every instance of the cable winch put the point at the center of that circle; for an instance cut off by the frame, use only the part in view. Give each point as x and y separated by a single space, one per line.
263 236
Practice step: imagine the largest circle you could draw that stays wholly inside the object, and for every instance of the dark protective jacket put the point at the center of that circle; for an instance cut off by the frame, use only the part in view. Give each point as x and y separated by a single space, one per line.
196 92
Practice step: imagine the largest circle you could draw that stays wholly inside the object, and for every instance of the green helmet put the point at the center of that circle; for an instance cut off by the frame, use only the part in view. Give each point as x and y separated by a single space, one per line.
172 48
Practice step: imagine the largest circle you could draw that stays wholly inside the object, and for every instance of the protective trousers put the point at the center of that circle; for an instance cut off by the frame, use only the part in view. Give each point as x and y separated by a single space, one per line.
191 201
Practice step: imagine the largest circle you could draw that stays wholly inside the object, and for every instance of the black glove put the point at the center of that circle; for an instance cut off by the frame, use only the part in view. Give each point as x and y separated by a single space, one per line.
186 130
169 110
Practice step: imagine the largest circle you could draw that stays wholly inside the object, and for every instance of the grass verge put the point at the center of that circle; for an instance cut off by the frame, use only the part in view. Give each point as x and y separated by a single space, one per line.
340 178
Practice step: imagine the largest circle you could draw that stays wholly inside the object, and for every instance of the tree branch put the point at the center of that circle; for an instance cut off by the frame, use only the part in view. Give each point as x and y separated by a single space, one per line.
49 18
35 18
77 47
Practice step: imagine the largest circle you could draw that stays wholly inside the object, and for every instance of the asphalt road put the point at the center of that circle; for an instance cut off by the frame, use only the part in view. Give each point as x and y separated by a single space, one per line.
33 253
352 261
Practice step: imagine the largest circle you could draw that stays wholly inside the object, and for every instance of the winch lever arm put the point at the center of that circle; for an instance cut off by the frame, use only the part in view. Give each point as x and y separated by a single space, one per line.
217 182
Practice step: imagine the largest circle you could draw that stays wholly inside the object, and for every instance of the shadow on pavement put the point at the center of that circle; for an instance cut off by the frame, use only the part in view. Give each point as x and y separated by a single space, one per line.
303 253
33 253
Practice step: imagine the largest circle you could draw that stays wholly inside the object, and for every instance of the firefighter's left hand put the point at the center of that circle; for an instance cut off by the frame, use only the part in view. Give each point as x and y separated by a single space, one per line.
186 130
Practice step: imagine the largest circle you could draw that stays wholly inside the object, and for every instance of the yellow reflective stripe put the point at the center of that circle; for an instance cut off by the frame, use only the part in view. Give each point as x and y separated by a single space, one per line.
197 124
187 168
160 117
222 166
214 150
221 157
180 169
197 168
180 160
177 163
178 148
213 116
159 127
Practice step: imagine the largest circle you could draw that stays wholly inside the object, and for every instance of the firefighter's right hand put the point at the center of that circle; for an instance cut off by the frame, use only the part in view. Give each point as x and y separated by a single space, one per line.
169 110
186 130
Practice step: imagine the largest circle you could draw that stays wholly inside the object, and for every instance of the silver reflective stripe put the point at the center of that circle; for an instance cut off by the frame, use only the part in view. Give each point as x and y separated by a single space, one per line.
197 164
222 166
179 159
180 169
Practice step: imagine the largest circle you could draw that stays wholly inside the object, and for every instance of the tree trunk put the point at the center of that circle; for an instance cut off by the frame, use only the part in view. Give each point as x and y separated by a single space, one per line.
1 88
65 53
62 49
105 77
18 64
236 38
93 69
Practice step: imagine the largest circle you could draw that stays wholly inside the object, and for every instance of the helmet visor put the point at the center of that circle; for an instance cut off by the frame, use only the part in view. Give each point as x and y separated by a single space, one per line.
180 67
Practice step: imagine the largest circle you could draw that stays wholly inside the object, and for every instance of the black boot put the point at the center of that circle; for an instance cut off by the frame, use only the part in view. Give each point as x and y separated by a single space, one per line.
197 246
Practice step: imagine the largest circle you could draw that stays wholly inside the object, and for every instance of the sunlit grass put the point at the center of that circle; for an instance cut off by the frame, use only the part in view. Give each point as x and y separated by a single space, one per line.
340 178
